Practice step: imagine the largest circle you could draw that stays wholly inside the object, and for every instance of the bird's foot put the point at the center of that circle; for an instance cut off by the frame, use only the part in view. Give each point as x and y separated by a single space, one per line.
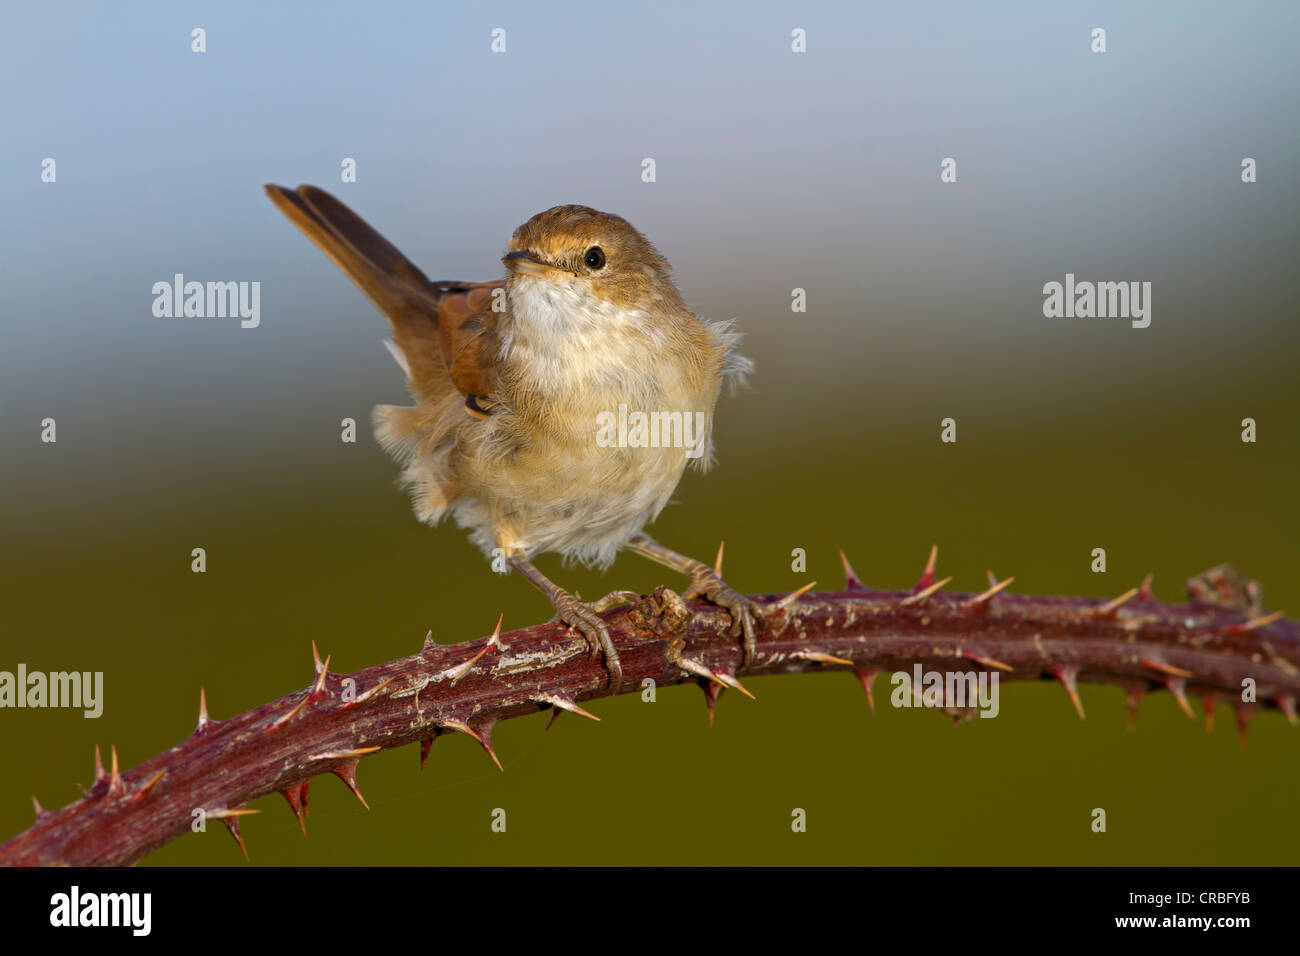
708 584
585 619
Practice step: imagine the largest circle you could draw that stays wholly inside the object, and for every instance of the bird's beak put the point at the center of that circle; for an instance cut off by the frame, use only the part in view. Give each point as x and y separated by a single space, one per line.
524 262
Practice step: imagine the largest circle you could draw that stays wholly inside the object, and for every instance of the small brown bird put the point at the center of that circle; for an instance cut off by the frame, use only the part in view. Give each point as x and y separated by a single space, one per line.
556 409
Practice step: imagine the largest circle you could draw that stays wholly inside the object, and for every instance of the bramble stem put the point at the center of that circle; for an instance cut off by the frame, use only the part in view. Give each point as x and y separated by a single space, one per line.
1140 644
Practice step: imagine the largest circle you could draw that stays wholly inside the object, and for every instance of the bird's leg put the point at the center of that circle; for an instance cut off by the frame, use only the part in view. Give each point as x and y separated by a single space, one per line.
706 582
580 615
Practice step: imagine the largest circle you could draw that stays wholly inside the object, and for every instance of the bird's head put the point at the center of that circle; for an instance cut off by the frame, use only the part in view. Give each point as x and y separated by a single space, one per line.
591 260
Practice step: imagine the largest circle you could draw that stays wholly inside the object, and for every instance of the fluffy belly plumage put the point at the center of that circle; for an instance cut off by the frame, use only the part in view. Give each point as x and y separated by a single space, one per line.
583 503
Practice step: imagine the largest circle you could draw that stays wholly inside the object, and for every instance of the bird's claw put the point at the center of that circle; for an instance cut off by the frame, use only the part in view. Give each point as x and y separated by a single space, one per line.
584 618
709 585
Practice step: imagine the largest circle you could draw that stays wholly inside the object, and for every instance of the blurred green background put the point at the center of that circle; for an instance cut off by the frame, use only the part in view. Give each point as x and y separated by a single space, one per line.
819 173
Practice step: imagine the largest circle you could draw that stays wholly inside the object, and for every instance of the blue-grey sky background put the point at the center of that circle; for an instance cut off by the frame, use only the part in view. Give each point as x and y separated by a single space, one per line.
775 170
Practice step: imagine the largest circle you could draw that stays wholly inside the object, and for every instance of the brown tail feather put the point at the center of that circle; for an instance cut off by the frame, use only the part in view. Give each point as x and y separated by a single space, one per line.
426 317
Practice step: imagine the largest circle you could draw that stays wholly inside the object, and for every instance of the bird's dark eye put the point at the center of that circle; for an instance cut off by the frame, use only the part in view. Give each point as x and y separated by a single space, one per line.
595 258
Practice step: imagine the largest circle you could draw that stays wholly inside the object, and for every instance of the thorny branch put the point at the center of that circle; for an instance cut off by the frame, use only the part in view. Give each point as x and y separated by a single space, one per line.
1212 647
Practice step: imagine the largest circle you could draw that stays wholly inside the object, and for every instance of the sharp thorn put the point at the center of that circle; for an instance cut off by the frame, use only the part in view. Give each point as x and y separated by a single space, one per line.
485 738
204 720
315 656
297 799
1144 592
343 754
729 680
322 672
712 692
986 661
563 703
820 657
312 695
425 746
115 787
1134 698
717 563
786 602
462 669
232 824
1110 607
1068 676
347 772
851 580
371 693
483 735
1287 705
868 677
277 724
40 810
1255 623
1164 668
147 787
231 819
698 669
927 576
428 641
99 766
983 599
229 814
1243 723
1209 702
922 595
1178 687
991 577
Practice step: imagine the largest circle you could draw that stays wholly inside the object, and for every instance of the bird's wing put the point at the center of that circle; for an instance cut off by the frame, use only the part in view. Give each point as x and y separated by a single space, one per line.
446 331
